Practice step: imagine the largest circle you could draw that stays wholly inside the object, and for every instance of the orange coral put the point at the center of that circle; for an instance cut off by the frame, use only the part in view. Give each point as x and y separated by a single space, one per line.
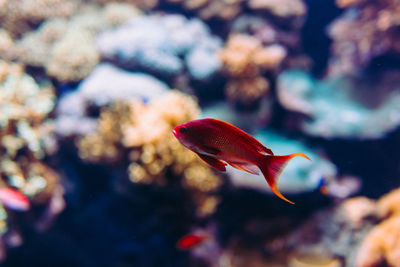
245 60
389 204
381 244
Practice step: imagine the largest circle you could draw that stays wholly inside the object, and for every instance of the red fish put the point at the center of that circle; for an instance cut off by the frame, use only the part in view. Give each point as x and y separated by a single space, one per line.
219 143
13 199
190 240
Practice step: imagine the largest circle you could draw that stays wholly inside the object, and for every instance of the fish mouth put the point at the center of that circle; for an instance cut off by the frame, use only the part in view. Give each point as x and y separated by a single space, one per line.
174 132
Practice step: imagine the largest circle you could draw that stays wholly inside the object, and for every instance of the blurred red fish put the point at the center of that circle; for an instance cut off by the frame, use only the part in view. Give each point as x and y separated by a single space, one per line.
13 199
190 241
219 143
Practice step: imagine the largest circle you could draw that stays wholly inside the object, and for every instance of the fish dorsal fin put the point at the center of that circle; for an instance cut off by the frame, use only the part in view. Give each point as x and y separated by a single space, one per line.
253 169
260 147
213 162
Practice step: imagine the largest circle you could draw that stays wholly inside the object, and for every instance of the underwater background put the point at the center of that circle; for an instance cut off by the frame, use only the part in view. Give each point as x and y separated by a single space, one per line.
90 91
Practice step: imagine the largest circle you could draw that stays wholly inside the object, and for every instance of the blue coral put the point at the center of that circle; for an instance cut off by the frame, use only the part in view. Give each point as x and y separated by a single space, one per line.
336 106
166 45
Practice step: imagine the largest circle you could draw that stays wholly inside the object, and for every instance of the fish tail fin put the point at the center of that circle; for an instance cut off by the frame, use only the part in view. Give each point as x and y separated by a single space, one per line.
272 167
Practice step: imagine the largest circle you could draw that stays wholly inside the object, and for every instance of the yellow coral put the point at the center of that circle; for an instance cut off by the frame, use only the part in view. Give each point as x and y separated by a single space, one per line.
144 133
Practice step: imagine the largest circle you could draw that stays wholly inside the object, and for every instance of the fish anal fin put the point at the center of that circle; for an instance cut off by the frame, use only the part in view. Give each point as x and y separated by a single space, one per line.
253 169
213 162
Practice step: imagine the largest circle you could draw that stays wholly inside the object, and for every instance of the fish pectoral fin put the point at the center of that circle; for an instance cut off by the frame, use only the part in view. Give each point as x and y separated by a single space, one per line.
253 169
213 162
210 150
266 151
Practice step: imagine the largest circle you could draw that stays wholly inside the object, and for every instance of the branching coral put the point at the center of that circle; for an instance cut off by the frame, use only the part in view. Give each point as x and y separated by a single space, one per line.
144 132
26 137
66 48
370 30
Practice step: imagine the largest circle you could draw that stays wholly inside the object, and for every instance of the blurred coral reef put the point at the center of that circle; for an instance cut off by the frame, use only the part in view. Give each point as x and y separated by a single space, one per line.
90 91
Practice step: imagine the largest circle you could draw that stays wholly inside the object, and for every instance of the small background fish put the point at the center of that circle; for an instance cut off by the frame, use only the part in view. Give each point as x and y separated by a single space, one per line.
13 199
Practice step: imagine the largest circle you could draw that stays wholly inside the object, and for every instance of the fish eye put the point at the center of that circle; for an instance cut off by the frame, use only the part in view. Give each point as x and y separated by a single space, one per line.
183 130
